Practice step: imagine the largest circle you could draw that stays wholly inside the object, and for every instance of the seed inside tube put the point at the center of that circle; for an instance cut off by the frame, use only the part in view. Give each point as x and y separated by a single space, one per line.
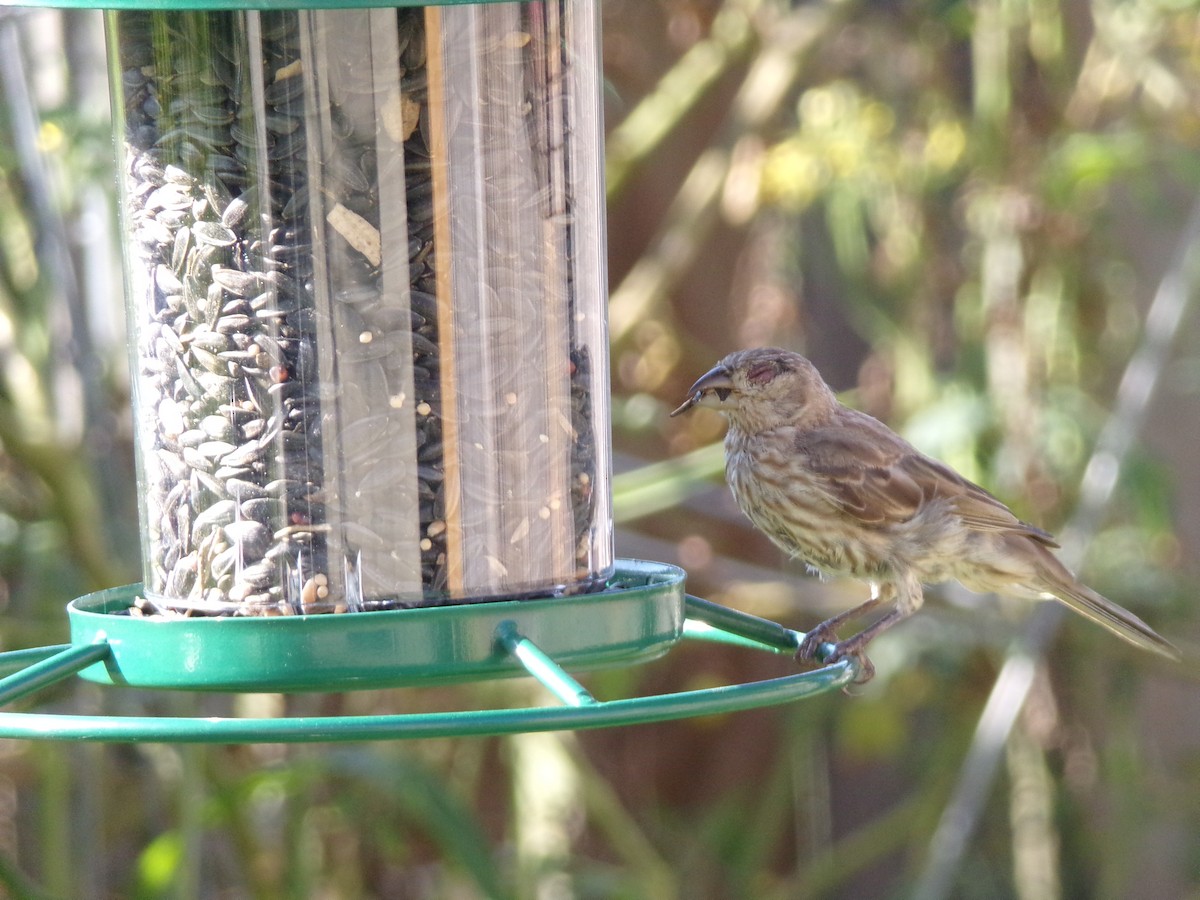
520 532
358 232
292 68
400 114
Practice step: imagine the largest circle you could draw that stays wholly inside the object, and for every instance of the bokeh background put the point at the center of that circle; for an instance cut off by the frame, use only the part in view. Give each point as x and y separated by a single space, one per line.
978 219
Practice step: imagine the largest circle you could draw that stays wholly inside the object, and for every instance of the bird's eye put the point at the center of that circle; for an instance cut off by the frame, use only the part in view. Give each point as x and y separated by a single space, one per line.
762 373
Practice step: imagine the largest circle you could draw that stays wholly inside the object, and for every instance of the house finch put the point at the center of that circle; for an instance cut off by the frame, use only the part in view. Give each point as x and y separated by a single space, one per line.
847 495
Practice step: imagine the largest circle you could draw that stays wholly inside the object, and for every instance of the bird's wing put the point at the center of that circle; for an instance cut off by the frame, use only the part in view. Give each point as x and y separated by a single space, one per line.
861 471
977 508
880 479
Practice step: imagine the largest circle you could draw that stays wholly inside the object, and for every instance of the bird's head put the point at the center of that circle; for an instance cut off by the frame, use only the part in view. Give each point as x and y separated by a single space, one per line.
762 388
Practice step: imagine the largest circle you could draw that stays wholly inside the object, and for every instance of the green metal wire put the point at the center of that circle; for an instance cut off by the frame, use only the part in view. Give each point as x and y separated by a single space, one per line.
731 626
542 667
632 711
706 621
16 660
62 664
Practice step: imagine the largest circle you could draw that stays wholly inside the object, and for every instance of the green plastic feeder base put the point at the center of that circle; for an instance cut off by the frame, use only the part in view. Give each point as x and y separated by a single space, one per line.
639 617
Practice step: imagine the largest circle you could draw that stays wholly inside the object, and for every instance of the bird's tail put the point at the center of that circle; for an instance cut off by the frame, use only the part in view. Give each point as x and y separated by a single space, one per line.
1103 611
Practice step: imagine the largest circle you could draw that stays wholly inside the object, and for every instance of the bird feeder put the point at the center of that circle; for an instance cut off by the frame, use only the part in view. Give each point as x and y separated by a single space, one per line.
365 284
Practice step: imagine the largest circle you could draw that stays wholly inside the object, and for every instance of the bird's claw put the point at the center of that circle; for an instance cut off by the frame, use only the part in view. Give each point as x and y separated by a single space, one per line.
866 668
811 650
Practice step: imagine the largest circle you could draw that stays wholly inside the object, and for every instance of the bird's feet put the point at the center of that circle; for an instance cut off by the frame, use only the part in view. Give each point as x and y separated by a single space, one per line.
812 650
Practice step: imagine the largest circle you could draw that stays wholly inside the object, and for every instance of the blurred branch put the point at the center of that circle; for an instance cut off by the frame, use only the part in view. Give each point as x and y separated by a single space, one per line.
73 501
649 871
961 816
883 835
1035 837
688 222
50 235
662 485
692 214
32 433
546 793
642 132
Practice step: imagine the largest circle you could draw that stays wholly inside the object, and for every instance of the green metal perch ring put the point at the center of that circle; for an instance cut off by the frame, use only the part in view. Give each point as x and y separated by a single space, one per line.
639 616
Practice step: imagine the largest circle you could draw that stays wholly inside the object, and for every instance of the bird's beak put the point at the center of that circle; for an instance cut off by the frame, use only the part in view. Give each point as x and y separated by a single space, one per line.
716 381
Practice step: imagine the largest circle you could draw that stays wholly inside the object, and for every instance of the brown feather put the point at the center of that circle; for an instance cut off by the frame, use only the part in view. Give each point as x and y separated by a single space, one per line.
1092 605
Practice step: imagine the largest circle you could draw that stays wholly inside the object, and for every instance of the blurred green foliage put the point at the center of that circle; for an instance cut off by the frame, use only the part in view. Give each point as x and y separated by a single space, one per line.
959 211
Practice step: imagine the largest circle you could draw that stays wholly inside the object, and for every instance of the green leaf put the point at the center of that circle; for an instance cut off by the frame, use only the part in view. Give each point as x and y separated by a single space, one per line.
158 864
662 485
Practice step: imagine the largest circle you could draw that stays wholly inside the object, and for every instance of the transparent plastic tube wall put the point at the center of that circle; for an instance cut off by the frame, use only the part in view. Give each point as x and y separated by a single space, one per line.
365 259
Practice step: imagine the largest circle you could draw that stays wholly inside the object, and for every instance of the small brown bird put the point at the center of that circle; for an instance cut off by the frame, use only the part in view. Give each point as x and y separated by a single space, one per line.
850 497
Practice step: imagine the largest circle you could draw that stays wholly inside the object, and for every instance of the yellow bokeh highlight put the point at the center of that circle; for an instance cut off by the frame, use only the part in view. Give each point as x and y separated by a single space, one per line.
792 175
51 138
945 145
853 141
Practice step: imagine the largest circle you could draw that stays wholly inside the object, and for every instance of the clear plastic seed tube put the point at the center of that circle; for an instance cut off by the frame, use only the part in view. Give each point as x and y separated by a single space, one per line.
365 260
